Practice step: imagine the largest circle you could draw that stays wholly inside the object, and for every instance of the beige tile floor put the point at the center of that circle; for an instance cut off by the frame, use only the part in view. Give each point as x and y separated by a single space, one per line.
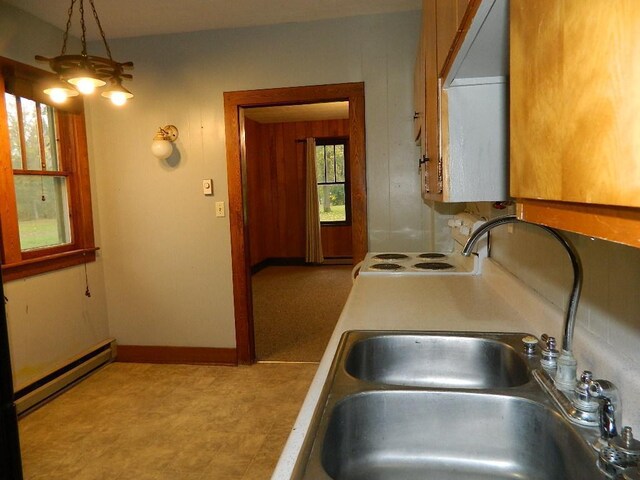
178 422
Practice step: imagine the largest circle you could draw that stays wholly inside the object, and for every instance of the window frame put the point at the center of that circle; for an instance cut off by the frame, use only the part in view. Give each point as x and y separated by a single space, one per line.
323 141
26 82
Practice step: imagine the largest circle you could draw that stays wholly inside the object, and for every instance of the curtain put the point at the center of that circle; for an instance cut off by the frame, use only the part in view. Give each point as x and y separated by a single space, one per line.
313 250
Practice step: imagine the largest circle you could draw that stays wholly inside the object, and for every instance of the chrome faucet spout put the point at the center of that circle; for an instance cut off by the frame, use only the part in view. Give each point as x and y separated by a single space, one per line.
574 297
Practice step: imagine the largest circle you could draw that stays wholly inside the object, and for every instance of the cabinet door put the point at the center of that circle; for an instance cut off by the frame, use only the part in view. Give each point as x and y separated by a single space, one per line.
418 94
575 101
432 98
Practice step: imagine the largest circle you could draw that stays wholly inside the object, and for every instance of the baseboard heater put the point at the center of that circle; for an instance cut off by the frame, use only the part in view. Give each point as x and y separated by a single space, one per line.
58 380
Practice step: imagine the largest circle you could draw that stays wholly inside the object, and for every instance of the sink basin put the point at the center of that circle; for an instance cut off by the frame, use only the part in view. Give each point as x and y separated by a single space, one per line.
450 436
444 406
437 361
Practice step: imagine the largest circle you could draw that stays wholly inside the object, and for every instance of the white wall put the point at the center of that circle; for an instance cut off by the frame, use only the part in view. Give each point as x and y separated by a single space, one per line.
49 317
166 255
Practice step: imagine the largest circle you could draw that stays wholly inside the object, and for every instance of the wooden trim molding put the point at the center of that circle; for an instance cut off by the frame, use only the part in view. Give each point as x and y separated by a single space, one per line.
36 266
241 263
177 355
21 79
616 224
461 34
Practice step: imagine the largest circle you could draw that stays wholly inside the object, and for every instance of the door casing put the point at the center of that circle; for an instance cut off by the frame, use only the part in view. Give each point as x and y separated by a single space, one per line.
234 102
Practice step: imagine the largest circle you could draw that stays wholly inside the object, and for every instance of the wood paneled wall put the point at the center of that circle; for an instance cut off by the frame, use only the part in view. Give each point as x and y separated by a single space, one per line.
276 190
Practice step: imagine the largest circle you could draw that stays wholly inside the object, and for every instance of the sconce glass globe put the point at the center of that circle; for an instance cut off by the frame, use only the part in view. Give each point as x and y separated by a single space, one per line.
161 149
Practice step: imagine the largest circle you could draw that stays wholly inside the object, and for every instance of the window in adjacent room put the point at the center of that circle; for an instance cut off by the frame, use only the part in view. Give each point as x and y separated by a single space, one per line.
44 184
333 180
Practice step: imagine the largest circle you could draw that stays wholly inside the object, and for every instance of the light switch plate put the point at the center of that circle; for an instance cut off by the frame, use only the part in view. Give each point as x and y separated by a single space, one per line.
207 186
219 209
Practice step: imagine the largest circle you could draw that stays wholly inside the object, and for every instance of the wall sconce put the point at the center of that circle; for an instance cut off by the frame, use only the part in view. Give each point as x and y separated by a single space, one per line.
161 146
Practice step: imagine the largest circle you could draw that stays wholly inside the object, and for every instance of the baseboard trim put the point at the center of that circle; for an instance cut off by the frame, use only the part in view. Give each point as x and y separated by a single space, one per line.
298 262
278 262
177 355
32 396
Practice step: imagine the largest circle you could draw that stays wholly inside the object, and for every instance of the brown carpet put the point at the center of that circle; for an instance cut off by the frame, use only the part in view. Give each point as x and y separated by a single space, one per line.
295 310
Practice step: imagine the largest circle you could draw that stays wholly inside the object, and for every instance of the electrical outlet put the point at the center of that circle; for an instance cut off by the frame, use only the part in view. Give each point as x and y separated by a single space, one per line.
207 186
219 209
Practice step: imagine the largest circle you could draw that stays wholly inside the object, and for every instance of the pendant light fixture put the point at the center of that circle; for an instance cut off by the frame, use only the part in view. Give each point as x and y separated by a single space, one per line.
84 73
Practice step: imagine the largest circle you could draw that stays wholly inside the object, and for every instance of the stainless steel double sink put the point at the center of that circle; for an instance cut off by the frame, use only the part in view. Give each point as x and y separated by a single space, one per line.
445 406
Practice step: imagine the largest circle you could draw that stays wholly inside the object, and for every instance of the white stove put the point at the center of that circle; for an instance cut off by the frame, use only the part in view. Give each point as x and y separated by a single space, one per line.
432 263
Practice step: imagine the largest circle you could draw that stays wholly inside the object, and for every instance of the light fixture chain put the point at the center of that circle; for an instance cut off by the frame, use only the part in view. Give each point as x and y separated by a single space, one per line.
86 72
66 32
84 29
104 39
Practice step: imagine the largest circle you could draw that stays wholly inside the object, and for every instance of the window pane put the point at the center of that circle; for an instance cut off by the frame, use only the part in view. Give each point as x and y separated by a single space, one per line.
331 164
31 139
43 211
331 200
49 134
340 163
320 171
14 130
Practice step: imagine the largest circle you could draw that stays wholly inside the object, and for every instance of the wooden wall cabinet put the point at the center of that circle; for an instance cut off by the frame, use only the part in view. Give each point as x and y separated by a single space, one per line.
575 116
418 95
465 101
429 142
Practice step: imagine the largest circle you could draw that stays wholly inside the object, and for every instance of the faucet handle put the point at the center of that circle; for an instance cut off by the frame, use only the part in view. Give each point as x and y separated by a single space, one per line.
610 407
608 428
604 389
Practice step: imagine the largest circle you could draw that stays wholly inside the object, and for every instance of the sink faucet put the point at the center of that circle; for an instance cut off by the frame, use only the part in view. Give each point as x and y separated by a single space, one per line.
565 377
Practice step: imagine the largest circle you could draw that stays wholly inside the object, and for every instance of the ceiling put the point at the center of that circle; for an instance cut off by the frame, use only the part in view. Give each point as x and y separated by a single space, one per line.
134 18
299 113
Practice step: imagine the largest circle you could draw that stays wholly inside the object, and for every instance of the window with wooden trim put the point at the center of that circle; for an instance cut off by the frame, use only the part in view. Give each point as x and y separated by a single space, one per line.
333 181
45 213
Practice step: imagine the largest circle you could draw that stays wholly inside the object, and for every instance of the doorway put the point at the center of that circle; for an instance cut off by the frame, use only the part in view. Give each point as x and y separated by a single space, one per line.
235 105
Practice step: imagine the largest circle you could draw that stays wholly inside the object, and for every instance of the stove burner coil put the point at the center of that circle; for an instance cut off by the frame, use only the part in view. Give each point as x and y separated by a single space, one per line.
433 266
392 267
391 256
432 255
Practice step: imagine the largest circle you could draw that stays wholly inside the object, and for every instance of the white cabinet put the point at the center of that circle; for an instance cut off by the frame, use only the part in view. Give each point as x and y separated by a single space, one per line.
466 110
475 125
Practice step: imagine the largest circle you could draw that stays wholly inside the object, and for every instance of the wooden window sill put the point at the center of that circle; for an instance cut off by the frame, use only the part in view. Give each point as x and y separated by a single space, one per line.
49 263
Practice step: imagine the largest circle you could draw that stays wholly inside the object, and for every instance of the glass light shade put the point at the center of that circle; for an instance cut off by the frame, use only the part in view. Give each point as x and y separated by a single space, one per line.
86 84
118 98
161 149
117 94
59 94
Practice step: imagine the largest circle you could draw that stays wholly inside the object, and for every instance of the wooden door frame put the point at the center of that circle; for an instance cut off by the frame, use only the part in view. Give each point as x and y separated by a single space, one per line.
236 179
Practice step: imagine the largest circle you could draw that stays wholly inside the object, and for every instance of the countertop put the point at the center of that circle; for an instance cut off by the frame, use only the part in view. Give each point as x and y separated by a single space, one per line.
494 301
